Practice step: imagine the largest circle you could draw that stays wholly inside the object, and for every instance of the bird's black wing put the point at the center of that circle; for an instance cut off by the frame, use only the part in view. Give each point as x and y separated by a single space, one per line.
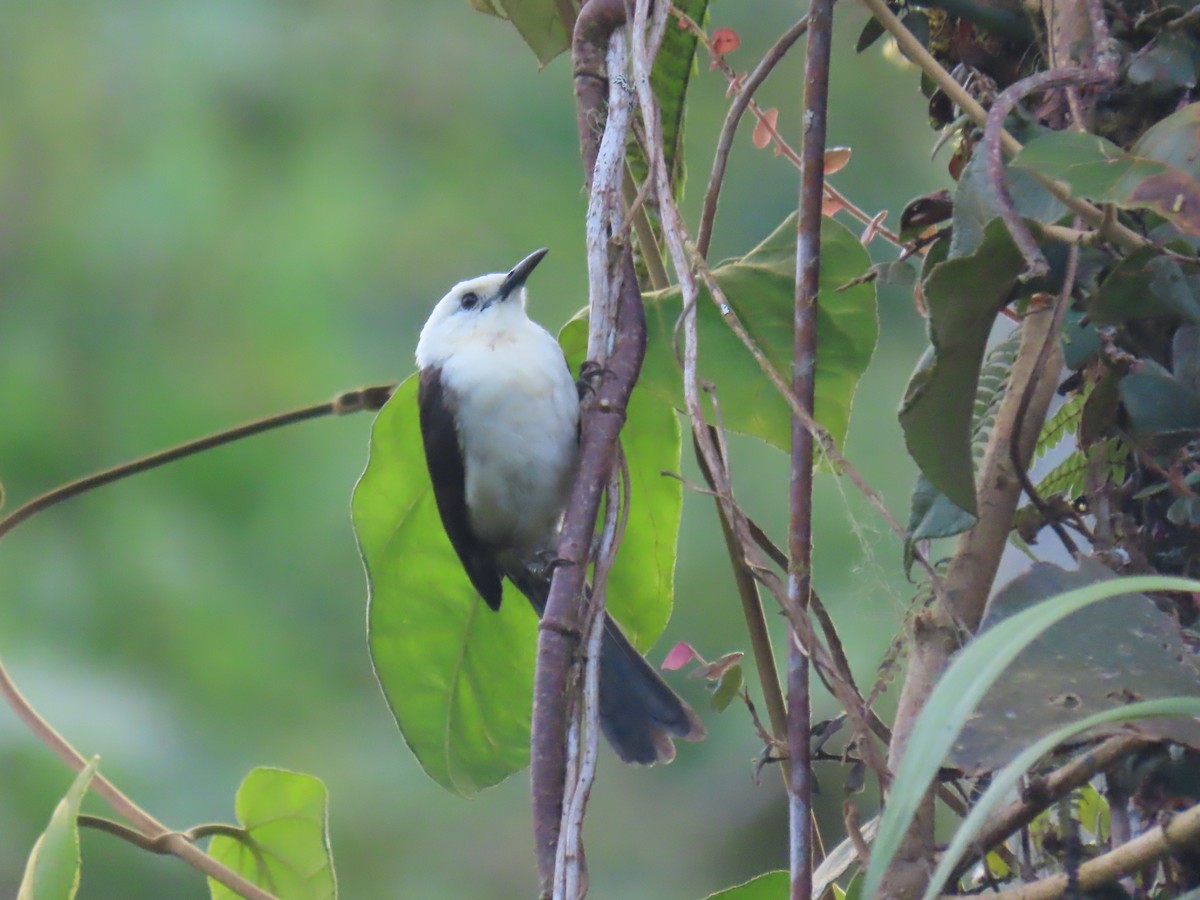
443 455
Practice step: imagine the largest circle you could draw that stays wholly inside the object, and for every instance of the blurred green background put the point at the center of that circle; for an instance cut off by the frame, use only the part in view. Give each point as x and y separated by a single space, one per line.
215 211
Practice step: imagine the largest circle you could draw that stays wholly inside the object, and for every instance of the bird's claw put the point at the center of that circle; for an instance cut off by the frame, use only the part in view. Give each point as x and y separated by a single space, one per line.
590 372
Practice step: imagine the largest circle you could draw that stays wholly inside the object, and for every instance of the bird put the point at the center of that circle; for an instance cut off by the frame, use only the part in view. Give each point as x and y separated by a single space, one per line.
499 416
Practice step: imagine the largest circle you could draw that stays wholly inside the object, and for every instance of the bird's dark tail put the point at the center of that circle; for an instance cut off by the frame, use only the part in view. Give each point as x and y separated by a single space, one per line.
639 713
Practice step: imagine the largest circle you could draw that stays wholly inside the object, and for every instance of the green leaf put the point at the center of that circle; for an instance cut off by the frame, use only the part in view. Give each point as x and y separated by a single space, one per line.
933 516
727 688
1097 169
761 288
976 204
963 295
669 79
286 846
541 23
458 676
1005 781
52 870
1071 670
871 32
1160 406
959 691
768 886
1094 814
1144 285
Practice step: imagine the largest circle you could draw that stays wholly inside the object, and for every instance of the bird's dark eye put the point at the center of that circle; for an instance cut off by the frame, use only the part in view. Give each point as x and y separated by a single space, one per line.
470 300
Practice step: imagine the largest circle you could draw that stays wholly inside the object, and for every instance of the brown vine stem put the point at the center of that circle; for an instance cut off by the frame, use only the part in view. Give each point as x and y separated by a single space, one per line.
603 414
804 367
176 843
1035 262
369 398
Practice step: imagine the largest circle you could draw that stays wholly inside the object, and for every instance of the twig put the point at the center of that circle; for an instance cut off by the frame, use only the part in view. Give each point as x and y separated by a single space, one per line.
1022 473
172 842
1181 831
804 368
752 612
1035 263
145 825
912 48
733 118
651 255
370 398
158 844
1045 790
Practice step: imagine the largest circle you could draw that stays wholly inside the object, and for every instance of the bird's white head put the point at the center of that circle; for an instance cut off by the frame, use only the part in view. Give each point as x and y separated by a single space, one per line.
474 310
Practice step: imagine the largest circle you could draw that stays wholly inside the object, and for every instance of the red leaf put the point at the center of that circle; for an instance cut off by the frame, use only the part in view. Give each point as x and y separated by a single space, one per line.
766 124
681 654
724 40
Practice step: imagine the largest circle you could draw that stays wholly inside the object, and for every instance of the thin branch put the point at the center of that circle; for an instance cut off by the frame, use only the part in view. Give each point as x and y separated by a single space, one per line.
729 129
651 255
804 368
1044 790
756 621
912 48
158 844
1022 473
1182 831
146 826
370 398
172 842
1035 263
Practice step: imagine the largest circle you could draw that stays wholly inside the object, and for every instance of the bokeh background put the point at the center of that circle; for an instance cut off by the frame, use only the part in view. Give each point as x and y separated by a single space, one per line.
212 211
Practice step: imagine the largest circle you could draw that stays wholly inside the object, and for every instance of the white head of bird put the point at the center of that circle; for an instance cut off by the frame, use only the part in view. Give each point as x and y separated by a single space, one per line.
485 308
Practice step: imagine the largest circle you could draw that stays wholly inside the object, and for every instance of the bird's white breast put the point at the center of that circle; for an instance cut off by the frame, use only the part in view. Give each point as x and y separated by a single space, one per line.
518 415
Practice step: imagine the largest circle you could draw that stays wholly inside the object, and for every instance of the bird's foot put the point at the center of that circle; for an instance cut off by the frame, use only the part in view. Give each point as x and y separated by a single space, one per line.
590 375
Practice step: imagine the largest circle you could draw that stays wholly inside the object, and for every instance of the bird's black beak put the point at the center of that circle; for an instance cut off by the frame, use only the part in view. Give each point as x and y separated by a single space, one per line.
520 272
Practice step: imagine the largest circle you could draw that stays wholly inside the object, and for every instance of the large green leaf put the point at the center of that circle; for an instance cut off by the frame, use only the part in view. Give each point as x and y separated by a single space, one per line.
545 25
52 870
459 677
1097 169
1071 670
768 886
761 288
964 295
285 849
959 691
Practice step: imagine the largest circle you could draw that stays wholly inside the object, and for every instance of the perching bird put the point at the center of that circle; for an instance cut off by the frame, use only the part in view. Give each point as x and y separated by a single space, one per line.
499 417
